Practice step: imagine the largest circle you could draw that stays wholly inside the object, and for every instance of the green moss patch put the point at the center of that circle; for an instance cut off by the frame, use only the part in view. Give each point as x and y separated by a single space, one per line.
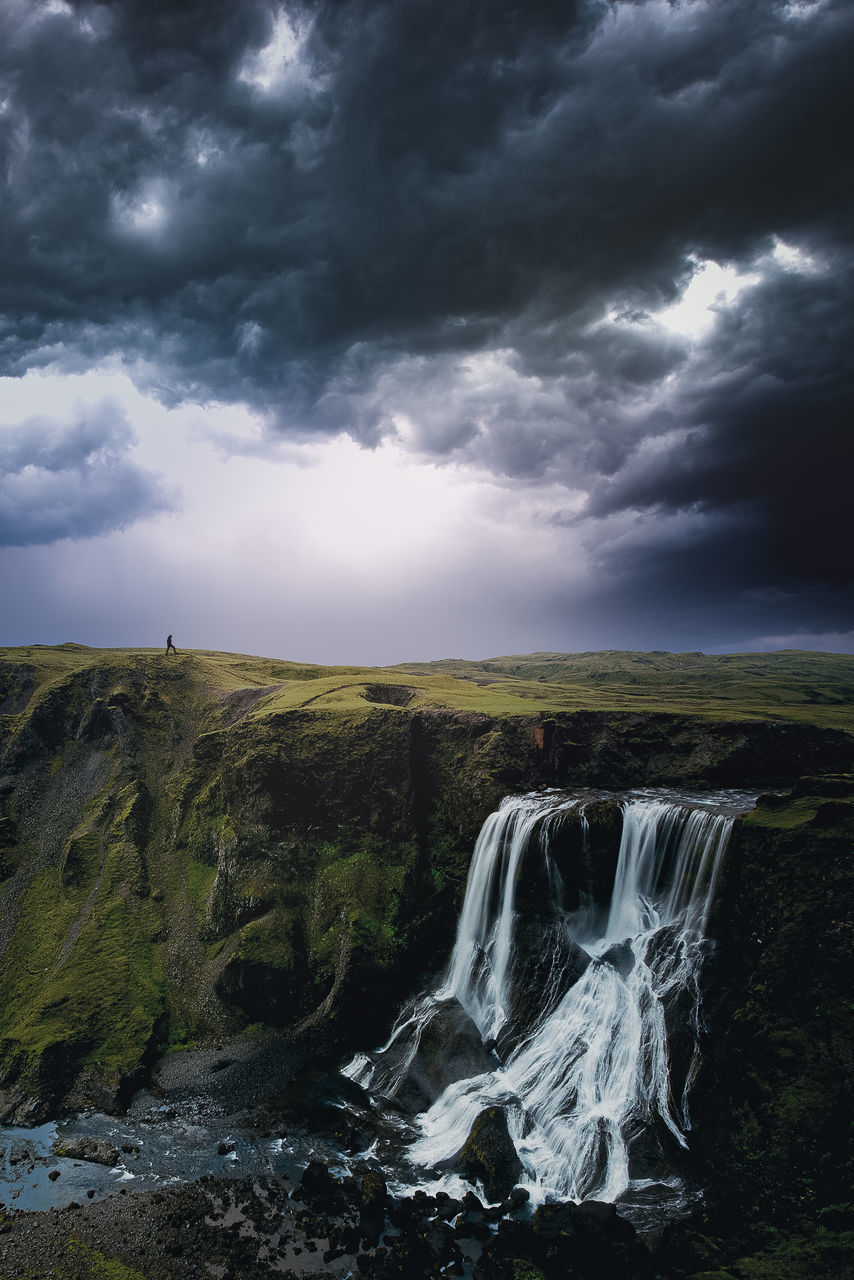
273 941
357 897
200 877
79 1261
98 994
825 1255
795 814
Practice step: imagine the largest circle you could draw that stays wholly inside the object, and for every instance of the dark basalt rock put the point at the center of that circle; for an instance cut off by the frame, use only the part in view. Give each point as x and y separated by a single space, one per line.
546 963
771 1110
319 1189
439 1239
516 1201
621 956
472 1226
96 1150
260 991
373 1198
97 723
449 1049
588 1241
488 1155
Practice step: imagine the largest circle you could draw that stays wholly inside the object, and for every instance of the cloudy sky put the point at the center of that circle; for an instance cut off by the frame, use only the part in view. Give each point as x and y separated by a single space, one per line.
375 330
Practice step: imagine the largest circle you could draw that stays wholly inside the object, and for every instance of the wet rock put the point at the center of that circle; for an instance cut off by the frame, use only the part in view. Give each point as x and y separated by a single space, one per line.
423 1204
446 1207
438 1236
402 1213
589 1241
621 957
334 1106
95 1150
653 1152
319 1190
373 1197
509 1038
516 1201
54 1174
488 1155
470 1226
225 1148
545 964
449 1048
593 1238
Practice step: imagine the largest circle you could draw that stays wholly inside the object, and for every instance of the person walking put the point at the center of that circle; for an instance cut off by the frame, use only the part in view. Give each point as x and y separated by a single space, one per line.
170 645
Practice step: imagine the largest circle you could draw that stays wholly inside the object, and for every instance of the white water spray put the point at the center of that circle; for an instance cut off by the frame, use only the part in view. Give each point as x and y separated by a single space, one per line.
588 1081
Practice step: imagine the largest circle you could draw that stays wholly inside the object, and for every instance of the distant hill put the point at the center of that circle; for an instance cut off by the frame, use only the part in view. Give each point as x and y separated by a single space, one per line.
798 685
794 684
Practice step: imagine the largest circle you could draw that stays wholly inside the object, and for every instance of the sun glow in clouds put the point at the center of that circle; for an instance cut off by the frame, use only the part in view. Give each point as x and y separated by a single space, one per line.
710 288
143 213
311 548
791 258
278 64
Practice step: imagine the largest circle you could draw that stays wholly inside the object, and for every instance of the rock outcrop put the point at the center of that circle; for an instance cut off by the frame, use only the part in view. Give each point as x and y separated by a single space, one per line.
489 1156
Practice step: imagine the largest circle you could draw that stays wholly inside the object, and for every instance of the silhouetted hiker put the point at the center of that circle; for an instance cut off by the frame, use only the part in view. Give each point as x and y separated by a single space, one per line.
170 645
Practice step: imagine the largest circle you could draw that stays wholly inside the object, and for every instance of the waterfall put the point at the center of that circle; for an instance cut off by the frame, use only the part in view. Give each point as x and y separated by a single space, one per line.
477 974
588 1010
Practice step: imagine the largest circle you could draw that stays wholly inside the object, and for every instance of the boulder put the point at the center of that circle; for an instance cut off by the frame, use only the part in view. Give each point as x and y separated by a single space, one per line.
373 1198
591 1237
488 1155
621 957
96 1150
319 1189
450 1048
545 964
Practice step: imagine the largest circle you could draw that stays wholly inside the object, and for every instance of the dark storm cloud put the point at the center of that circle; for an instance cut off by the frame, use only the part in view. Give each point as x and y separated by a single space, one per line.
768 438
73 479
419 224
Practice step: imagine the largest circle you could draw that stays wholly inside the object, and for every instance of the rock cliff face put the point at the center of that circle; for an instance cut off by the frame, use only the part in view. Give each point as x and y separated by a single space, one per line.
179 859
773 1104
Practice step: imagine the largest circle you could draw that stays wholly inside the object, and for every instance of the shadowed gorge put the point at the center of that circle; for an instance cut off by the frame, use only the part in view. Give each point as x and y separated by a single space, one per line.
222 848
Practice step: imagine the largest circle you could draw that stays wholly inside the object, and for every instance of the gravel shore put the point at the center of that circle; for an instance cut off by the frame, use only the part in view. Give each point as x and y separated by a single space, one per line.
210 1228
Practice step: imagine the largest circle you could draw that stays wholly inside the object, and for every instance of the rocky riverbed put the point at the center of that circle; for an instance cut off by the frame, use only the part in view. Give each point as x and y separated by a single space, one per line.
323 1226
220 1205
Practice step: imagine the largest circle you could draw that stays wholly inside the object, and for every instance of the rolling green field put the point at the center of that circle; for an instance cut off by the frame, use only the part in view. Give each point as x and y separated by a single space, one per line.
806 687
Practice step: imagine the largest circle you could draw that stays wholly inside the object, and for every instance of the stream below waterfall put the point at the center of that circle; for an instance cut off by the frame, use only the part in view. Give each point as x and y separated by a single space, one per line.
575 1012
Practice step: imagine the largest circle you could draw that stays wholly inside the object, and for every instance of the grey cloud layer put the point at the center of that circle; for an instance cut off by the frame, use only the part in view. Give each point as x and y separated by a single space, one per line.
428 184
72 479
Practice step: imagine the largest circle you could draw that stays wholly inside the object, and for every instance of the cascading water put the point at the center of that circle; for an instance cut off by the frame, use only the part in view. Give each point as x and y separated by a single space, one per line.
587 1009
